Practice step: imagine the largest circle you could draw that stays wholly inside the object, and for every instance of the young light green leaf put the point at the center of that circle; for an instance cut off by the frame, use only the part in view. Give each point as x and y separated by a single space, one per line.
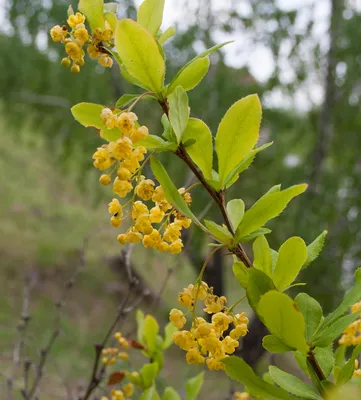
168 335
220 232
170 394
275 345
148 373
312 313
128 98
237 134
235 209
150 15
194 386
201 152
171 192
348 369
262 258
327 335
139 316
166 35
283 319
244 164
153 142
266 208
93 10
292 384
258 284
140 54
340 360
314 249
191 75
178 111
150 331
291 256
239 370
351 297
255 234
240 272
111 18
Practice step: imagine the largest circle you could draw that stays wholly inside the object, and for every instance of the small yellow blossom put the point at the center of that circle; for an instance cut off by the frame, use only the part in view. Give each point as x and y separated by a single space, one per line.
121 149
57 33
193 356
177 318
82 35
215 364
93 51
118 395
123 356
126 122
172 233
73 50
108 118
102 159
238 331
105 61
105 179
203 330
116 221
221 321
121 188
185 298
139 209
184 339
139 134
156 215
145 189
176 247
134 237
158 195
241 396
143 225
123 174
75 19
214 304
75 69
122 238
128 389
229 345
65 62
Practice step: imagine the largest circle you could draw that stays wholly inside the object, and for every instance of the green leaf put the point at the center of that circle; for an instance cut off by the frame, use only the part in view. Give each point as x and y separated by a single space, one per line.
150 394
194 386
168 131
93 10
327 335
148 373
312 313
235 209
139 316
110 17
128 98
168 335
237 134
244 164
140 54
262 258
314 249
275 345
351 297
178 111
191 75
220 232
292 384
171 193
266 208
150 15
166 35
201 151
240 272
325 359
255 234
150 331
153 142
283 319
258 284
291 256
239 370
170 394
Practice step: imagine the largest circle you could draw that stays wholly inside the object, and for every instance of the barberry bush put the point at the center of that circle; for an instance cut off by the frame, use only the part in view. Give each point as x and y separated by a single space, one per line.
151 211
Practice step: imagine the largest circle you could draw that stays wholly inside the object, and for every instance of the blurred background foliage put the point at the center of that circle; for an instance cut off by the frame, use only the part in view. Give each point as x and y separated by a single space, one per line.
311 98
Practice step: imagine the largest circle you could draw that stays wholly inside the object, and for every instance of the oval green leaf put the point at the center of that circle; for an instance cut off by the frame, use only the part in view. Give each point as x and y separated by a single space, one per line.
93 10
150 15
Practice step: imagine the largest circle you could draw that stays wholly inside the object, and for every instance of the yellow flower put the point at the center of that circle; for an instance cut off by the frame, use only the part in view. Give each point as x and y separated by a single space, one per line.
172 233
131 163
134 237
145 189
185 222
241 396
184 339
158 195
238 331
202 330
105 61
229 345
221 321
115 207
163 247
211 343
201 292
177 318
116 221
73 50
185 298
121 149
65 62
139 209
214 364
57 33
240 319
121 188
102 159
122 238
123 174
176 247
214 304
143 225
76 19
193 356
126 122
356 307
152 240
156 215
82 34
118 395
138 154
128 389
93 51
123 356
164 205
186 195
140 134
75 69
108 118
105 179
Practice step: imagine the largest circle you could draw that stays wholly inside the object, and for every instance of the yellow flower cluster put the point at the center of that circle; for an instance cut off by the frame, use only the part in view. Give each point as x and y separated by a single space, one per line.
75 36
352 334
206 342
112 354
125 156
241 396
